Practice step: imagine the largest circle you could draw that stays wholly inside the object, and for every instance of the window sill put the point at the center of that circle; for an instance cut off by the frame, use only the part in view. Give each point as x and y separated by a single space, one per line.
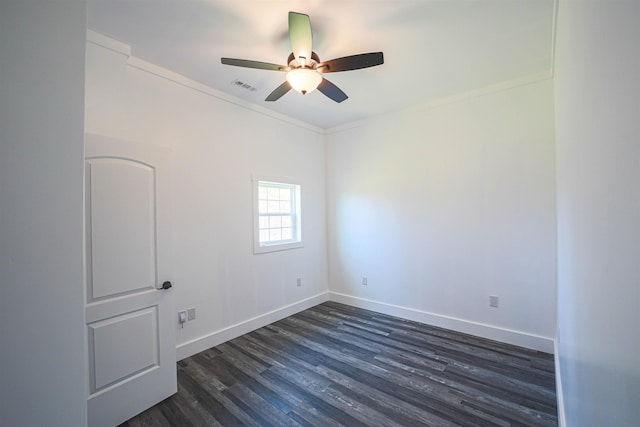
276 247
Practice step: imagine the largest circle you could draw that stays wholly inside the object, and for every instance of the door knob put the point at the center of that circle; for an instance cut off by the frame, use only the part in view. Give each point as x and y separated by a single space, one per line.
166 285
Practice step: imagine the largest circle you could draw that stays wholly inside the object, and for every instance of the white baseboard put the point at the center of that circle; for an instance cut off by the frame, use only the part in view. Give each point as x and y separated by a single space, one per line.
562 421
213 339
522 339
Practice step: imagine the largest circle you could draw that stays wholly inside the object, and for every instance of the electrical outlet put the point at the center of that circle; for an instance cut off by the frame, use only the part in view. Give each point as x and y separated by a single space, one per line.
364 281
299 281
182 317
191 314
493 301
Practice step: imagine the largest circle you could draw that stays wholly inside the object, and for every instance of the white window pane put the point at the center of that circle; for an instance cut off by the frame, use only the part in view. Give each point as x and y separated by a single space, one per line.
287 234
285 207
285 194
275 234
275 222
277 216
273 193
273 207
263 222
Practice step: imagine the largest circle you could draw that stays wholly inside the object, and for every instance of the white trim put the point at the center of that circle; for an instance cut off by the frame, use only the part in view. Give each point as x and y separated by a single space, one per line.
440 102
158 71
134 62
276 247
562 421
108 43
297 201
522 339
554 26
213 339
208 90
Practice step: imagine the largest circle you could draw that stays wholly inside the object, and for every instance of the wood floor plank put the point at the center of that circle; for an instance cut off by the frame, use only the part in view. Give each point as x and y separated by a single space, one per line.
383 378
216 408
172 409
151 418
210 385
296 408
337 365
257 408
193 410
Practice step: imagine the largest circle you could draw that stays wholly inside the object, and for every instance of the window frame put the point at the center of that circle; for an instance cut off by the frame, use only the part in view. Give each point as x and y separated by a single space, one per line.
296 242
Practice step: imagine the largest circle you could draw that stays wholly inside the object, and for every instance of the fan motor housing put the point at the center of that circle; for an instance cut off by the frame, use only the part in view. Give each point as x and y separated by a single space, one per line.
312 63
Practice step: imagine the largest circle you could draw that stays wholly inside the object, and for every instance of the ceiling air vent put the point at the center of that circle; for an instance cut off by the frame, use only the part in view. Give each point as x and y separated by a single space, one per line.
243 85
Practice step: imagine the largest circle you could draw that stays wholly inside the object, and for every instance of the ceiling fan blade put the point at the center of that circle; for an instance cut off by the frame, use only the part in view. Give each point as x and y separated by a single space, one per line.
353 62
332 91
300 35
254 64
279 91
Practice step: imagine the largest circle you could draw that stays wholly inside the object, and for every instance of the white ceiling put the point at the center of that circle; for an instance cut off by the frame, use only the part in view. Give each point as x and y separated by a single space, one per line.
432 48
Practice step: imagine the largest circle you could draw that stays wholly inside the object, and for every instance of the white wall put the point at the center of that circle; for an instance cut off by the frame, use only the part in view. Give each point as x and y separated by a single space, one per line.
42 354
598 152
216 146
441 207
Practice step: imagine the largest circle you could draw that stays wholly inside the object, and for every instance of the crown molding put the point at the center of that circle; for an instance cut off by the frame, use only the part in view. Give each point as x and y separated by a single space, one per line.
158 71
440 102
108 43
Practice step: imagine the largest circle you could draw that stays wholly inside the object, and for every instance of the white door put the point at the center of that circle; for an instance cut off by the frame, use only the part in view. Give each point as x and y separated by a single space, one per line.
129 316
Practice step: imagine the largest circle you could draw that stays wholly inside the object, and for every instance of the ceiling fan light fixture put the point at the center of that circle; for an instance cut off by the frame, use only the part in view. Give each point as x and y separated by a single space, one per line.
304 80
303 69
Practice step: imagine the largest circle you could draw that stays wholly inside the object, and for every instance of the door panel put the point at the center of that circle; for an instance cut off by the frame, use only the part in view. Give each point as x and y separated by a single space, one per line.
129 317
133 336
122 211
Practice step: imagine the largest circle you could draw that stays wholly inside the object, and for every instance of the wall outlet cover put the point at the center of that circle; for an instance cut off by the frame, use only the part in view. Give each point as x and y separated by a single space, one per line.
493 300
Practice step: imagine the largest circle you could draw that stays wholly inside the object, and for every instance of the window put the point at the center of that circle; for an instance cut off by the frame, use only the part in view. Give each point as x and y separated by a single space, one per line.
276 215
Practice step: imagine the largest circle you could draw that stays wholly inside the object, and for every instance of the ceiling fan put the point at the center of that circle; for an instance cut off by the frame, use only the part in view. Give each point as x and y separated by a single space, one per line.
304 67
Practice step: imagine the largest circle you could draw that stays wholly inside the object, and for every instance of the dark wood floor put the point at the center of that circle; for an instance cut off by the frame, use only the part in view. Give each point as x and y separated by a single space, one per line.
338 365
